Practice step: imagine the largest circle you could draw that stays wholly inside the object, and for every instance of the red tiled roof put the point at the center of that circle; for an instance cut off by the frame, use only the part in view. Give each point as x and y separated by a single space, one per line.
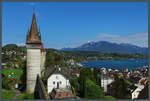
76 71
144 80
42 48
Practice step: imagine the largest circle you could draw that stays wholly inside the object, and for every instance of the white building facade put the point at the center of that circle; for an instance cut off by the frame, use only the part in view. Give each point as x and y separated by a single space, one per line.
136 92
105 81
57 80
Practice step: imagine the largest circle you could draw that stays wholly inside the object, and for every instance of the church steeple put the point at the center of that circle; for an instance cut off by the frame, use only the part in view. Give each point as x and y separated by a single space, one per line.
33 36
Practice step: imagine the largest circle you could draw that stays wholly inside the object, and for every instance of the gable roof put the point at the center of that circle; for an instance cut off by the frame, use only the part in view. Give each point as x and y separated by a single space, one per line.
57 70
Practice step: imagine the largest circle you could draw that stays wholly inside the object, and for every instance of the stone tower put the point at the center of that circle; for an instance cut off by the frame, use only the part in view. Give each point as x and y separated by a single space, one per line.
33 45
43 57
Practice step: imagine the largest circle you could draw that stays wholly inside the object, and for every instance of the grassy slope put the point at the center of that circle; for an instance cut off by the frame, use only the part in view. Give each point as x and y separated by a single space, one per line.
8 95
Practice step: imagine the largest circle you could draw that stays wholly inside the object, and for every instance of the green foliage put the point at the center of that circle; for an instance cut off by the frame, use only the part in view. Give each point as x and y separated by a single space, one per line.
8 95
5 83
96 73
85 73
7 72
126 81
54 57
23 75
92 91
119 87
80 56
75 84
26 96
21 96
109 98
29 96
50 60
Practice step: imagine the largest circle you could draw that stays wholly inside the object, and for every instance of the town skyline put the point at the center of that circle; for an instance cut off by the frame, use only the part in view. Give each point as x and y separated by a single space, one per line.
97 70
73 24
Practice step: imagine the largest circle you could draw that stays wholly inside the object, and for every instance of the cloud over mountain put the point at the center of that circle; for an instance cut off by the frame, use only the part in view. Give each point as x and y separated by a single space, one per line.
139 39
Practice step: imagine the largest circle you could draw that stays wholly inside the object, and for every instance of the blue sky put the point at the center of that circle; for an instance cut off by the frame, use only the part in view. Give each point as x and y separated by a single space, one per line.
71 24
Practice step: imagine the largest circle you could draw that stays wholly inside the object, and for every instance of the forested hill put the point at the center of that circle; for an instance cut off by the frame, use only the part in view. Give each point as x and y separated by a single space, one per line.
12 51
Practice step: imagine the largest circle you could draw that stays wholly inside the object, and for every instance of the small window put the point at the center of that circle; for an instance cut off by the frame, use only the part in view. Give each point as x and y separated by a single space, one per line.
67 94
59 95
60 82
56 77
53 82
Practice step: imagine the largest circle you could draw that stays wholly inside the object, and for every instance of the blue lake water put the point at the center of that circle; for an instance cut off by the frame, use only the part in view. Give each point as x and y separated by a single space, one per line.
118 64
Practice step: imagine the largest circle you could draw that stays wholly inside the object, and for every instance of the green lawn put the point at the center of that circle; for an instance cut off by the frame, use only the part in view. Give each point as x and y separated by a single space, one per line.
109 98
17 72
11 94
26 96
8 95
21 96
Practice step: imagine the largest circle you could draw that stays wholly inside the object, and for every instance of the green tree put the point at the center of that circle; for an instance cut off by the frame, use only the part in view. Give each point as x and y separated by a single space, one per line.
74 83
96 73
119 87
50 60
93 91
85 73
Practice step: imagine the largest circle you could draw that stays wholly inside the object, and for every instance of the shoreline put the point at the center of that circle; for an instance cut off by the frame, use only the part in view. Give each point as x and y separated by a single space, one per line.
116 64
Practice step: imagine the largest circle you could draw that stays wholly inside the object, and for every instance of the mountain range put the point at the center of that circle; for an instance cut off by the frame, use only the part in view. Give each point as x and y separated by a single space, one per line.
108 47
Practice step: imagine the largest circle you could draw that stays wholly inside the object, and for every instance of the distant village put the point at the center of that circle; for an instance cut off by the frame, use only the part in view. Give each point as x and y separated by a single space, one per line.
39 80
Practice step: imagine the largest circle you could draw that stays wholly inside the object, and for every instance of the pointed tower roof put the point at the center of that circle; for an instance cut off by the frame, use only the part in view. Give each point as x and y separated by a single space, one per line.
33 35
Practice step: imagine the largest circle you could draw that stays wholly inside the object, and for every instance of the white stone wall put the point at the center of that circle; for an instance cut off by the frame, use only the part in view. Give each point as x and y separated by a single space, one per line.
105 82
33 68
136 92
57 78
43 57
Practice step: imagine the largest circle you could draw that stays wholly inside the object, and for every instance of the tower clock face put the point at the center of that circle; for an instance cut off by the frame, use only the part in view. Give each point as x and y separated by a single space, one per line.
32 38
56 77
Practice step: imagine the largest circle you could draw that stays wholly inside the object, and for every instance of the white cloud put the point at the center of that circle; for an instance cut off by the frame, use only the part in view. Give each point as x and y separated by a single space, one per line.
32 3
20 44
139 39
75 43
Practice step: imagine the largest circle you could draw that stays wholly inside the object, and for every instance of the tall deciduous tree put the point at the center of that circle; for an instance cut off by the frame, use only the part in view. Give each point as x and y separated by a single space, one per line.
97 77
119 87
93 91
85 73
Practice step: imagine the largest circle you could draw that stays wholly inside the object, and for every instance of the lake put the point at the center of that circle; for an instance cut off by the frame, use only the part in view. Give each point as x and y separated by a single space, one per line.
118 64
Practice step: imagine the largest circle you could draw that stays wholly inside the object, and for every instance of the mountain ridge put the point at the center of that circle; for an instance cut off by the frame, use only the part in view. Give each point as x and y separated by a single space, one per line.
109 47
